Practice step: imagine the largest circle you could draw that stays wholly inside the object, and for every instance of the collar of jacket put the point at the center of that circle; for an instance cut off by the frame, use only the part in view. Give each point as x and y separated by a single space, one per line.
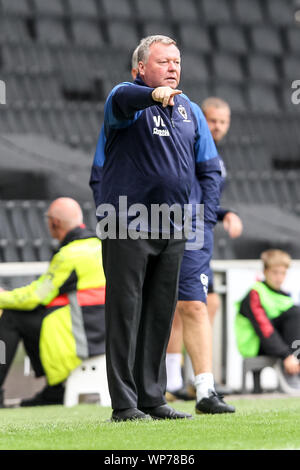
139 81
278 291
78 233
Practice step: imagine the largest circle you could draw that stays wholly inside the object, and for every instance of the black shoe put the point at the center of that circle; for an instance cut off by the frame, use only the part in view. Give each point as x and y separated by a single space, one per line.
213 404
165 412
50 395
129 414
181 394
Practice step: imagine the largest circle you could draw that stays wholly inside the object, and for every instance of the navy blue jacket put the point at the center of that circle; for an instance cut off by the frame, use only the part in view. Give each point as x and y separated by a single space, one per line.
151 154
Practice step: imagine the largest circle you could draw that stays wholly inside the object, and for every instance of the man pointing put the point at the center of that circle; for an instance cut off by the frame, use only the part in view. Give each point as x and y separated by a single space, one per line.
149 168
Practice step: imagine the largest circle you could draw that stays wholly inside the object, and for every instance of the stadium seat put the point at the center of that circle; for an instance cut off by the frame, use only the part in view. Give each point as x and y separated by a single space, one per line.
77 82
38 88
293 40
183 11
64 56
256 365
12 59
266 40
38 58
23 121
156 27
80 9
258 156
23 59
26 115
231 39
263 99
51 31
101 63
16 8
216 12
54 122
262 187
194 37
245 189
288 104
38 122
227 67
18 89
88 378
89 215
233 94
233 154
5 120
196 91
223 246
118 9
194 67
283 189
8 248
69 126
153 10
292 178
125 30
82 126
52 85
29 222
290 67
54 8
87 33
262 69
247 13
280 12
21 231
14 30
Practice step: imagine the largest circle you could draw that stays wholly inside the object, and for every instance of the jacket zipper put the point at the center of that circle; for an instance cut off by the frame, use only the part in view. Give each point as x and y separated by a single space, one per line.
172 120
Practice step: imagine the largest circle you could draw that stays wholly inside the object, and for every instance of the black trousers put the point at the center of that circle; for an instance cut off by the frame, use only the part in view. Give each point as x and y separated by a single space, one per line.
16 326
141 293
288 326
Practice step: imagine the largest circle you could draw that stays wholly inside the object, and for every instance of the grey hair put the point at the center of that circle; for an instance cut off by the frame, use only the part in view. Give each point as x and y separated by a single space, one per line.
134 58
215 102
145 43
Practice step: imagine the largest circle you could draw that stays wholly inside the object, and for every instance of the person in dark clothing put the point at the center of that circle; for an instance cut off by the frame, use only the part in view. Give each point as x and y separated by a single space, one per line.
60 316
197 303
268 322
150 148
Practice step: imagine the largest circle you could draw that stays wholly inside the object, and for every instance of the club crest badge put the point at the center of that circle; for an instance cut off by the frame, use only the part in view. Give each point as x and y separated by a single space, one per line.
182 112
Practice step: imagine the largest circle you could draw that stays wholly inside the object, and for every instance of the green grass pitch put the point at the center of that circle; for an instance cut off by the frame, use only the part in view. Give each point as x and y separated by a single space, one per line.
257 424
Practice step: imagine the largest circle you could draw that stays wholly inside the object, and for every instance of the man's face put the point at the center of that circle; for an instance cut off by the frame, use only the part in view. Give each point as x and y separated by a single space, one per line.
162 67
275 276
218 120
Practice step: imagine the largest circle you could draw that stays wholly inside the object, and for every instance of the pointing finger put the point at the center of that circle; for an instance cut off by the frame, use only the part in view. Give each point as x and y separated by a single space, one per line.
176 92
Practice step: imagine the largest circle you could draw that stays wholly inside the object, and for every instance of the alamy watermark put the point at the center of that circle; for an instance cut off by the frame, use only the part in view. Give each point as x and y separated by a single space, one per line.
296 346
2 352
138 221
296 94
2 92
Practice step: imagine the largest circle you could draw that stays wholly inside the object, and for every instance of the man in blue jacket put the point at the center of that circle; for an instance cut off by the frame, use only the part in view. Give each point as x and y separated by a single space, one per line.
150 148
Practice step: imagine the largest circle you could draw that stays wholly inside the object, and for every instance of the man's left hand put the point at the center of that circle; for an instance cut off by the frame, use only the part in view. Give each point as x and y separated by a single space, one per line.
233 225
